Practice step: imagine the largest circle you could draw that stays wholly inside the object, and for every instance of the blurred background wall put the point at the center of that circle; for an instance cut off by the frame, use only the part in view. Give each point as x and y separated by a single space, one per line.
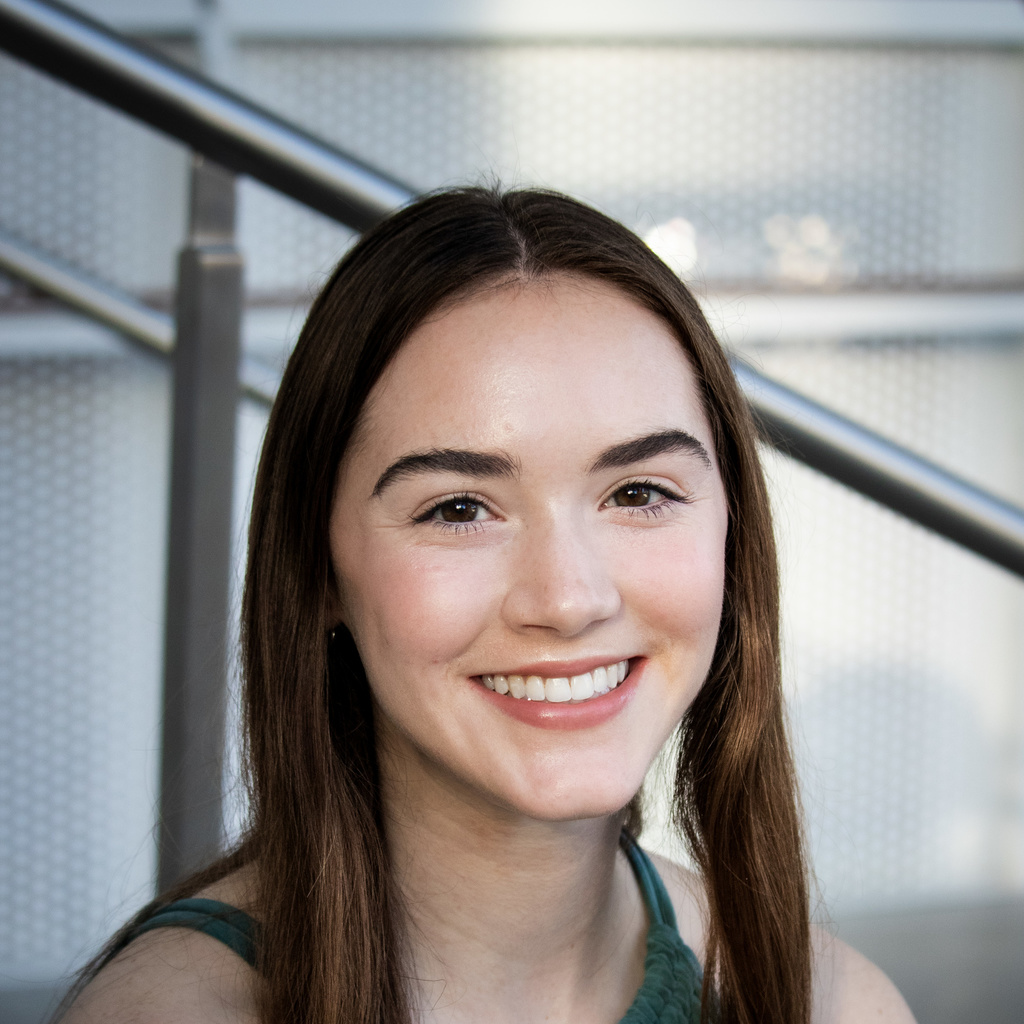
842 183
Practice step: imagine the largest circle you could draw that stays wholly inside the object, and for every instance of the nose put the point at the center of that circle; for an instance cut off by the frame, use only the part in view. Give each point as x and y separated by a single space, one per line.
560 581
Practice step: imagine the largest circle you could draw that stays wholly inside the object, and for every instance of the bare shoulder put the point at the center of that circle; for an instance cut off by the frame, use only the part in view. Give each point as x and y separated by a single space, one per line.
169 976
172 976
850 989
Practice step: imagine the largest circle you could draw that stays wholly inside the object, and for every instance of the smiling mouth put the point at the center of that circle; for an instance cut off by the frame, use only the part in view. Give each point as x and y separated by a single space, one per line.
560 689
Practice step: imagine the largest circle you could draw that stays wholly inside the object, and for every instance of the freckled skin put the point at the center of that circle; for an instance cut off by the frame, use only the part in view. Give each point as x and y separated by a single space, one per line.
554 567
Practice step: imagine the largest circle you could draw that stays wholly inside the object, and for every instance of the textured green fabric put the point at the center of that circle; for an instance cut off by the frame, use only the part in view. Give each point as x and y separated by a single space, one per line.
235 928
670 993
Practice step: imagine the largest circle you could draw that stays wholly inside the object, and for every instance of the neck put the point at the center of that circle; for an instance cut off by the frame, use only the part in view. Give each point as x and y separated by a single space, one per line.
511 918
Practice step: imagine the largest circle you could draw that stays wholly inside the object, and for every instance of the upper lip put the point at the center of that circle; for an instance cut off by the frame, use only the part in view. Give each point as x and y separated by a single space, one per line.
559 669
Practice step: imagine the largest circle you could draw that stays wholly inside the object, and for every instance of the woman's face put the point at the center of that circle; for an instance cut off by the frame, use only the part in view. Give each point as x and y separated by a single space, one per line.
532 498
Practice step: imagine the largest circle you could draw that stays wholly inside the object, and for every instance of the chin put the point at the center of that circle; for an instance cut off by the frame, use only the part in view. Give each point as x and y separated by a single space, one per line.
582 805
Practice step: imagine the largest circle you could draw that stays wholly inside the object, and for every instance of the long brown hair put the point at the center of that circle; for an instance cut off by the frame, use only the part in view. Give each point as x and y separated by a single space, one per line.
330 921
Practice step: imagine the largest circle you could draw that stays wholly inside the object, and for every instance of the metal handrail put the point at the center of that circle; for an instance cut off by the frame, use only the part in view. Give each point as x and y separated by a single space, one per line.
250 140
224 126
886 472
100 302
147 327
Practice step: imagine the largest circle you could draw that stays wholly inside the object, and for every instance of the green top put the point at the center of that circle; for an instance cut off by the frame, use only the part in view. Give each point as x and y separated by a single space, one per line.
670 993
221 921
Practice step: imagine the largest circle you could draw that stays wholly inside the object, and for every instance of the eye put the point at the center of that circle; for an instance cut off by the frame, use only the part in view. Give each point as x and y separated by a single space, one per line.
457 510
635 495
456 513
645 497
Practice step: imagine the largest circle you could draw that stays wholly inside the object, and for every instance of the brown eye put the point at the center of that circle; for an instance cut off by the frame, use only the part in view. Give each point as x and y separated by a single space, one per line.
633 495
458 510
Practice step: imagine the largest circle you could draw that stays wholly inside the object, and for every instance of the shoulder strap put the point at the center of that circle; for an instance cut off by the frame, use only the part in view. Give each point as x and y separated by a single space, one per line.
655 895
671 990
221 921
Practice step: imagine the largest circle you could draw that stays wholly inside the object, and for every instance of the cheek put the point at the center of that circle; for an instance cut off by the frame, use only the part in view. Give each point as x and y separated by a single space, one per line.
418 607
676 584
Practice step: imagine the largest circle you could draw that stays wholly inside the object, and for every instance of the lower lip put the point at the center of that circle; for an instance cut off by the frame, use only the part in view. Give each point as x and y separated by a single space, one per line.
586 715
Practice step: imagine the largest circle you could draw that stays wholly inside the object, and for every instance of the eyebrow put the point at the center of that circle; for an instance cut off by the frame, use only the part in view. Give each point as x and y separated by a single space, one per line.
498 464
647 447
450 460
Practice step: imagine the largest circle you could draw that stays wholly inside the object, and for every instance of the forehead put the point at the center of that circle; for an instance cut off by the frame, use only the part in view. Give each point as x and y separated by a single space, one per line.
556 357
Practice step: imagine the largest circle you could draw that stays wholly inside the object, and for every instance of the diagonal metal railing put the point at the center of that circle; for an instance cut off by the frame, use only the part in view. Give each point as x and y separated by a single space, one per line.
895 477
139 323
208 118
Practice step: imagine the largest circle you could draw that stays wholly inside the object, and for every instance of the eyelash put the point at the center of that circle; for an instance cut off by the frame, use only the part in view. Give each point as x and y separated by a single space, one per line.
428 515
650 511
659 508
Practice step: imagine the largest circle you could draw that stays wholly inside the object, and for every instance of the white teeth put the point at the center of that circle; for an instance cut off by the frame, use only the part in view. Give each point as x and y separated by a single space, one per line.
534 688
559 690
582 686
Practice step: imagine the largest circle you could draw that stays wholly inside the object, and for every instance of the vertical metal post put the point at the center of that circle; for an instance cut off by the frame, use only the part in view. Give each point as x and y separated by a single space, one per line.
209 306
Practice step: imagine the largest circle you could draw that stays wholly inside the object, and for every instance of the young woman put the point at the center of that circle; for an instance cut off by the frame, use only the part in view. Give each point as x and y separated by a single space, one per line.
509 534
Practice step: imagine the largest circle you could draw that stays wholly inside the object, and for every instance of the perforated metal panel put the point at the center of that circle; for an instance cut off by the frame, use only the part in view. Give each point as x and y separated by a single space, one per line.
902 155
86 184
82 488
903 653
807 165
